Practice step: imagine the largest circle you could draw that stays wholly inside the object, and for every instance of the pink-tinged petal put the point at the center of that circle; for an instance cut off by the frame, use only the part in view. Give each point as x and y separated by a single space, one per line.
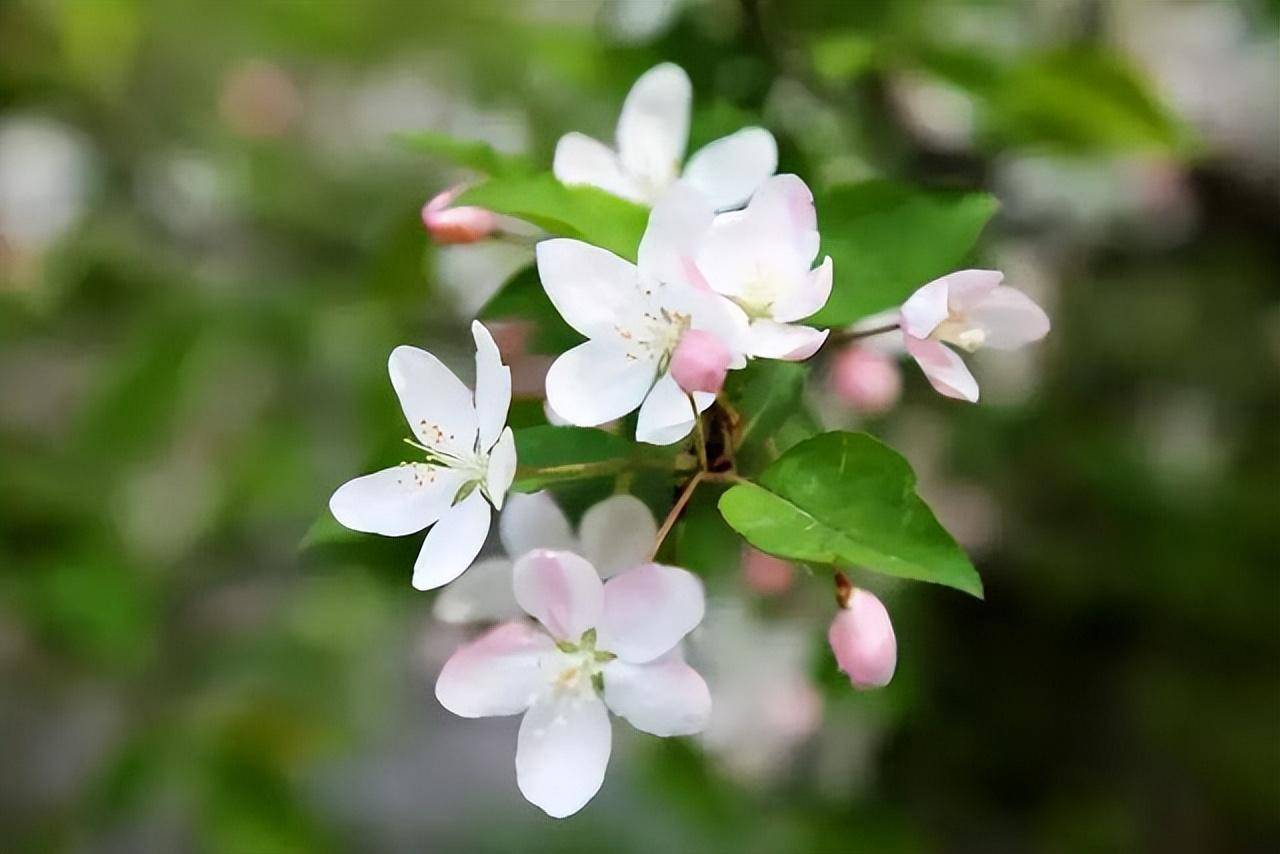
396 501
944 369
531 522
665 697
596 382
439 408
653 128
493 386
862 639
784 203
562 752
1009 319
728 170
967 288
769 340
617 534
647 610
866 379
453 543
560 590
496 674
482 594
677 223
925 309
806 300
580 160
666 416
502 468
593 289
700 362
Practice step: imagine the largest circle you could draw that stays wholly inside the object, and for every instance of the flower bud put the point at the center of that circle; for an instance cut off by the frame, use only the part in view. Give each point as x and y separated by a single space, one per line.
861 637
867 379
766 574
448 225
700 362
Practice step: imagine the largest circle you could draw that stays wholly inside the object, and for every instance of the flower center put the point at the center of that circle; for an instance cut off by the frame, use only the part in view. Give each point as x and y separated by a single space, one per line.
760 293
655 336
579 667
956 330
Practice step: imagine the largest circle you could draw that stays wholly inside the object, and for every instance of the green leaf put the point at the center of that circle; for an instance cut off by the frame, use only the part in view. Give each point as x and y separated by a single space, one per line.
549 454
473 154
584 213
766 393
886 240
847 499
522 297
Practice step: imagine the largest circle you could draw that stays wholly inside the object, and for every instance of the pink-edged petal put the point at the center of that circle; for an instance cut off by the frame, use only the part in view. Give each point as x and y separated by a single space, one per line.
581 160
944 369
617 534
967 288
653 128
784 204
593 289
496 674
560 590
534 521
502 468
925 309
453 543
482 594
493 386
666 416
806 300
728 170
1008 319
596 382
562 751
769 340
647 610
677 223
396 501
664 697
439 408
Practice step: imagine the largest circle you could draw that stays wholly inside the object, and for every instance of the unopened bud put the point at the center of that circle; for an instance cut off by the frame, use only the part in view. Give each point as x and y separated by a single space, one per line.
700 362
867 379
862 639
448 225
766 574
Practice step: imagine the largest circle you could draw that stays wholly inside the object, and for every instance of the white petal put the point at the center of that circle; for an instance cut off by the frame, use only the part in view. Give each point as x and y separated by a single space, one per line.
562 752
502 468
593 289
653 128
496 674
579 160
617 534
1009 319
666 416
728 170
439 408
560 590
664 697
925 309
647 610
967 288
679 220
944 368
396 501
769 340
534 521
596 382
452 543
806 300
493 386
482 594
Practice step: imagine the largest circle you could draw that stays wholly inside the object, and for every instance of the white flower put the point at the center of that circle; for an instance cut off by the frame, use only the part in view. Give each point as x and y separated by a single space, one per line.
761 259
652 133
470 462
634 316
602 647
614 535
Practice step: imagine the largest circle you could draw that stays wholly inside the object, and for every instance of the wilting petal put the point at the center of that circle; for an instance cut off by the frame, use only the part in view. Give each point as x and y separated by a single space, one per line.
579 159
439 408
482 594
647 610
808 298
453 543
925 309
769 340
396 501
728 170
593 289
944 369
596 382
497 673
502 468
617 534
862 639
562 752
667 415
1008 319
493 386
534 521
678 221
967 288
664 697
653 128
560 590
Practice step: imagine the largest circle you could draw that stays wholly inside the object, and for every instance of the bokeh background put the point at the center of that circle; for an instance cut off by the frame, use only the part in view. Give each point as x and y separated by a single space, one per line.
209 244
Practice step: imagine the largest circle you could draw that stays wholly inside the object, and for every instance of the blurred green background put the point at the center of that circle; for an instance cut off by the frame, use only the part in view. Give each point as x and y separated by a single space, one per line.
209 244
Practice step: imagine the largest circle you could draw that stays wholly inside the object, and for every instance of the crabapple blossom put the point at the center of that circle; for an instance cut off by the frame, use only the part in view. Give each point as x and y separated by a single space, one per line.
470 462
968 309
601 647
652 133
615 534
465 224
867 379
700 362
862 639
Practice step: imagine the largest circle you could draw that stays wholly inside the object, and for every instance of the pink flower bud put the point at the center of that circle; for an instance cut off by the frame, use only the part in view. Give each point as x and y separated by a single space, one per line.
700 362
766 574
867 379
862 638
448 225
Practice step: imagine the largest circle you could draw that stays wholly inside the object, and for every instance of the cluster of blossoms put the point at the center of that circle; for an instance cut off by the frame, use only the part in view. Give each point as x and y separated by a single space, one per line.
727 272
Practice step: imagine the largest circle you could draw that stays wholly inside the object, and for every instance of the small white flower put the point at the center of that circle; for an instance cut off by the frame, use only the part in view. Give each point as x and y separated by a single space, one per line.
652 133
601 648
614 535
470 462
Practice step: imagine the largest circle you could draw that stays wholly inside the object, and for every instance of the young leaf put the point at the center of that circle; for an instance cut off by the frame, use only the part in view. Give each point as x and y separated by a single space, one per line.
473 154
847 499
